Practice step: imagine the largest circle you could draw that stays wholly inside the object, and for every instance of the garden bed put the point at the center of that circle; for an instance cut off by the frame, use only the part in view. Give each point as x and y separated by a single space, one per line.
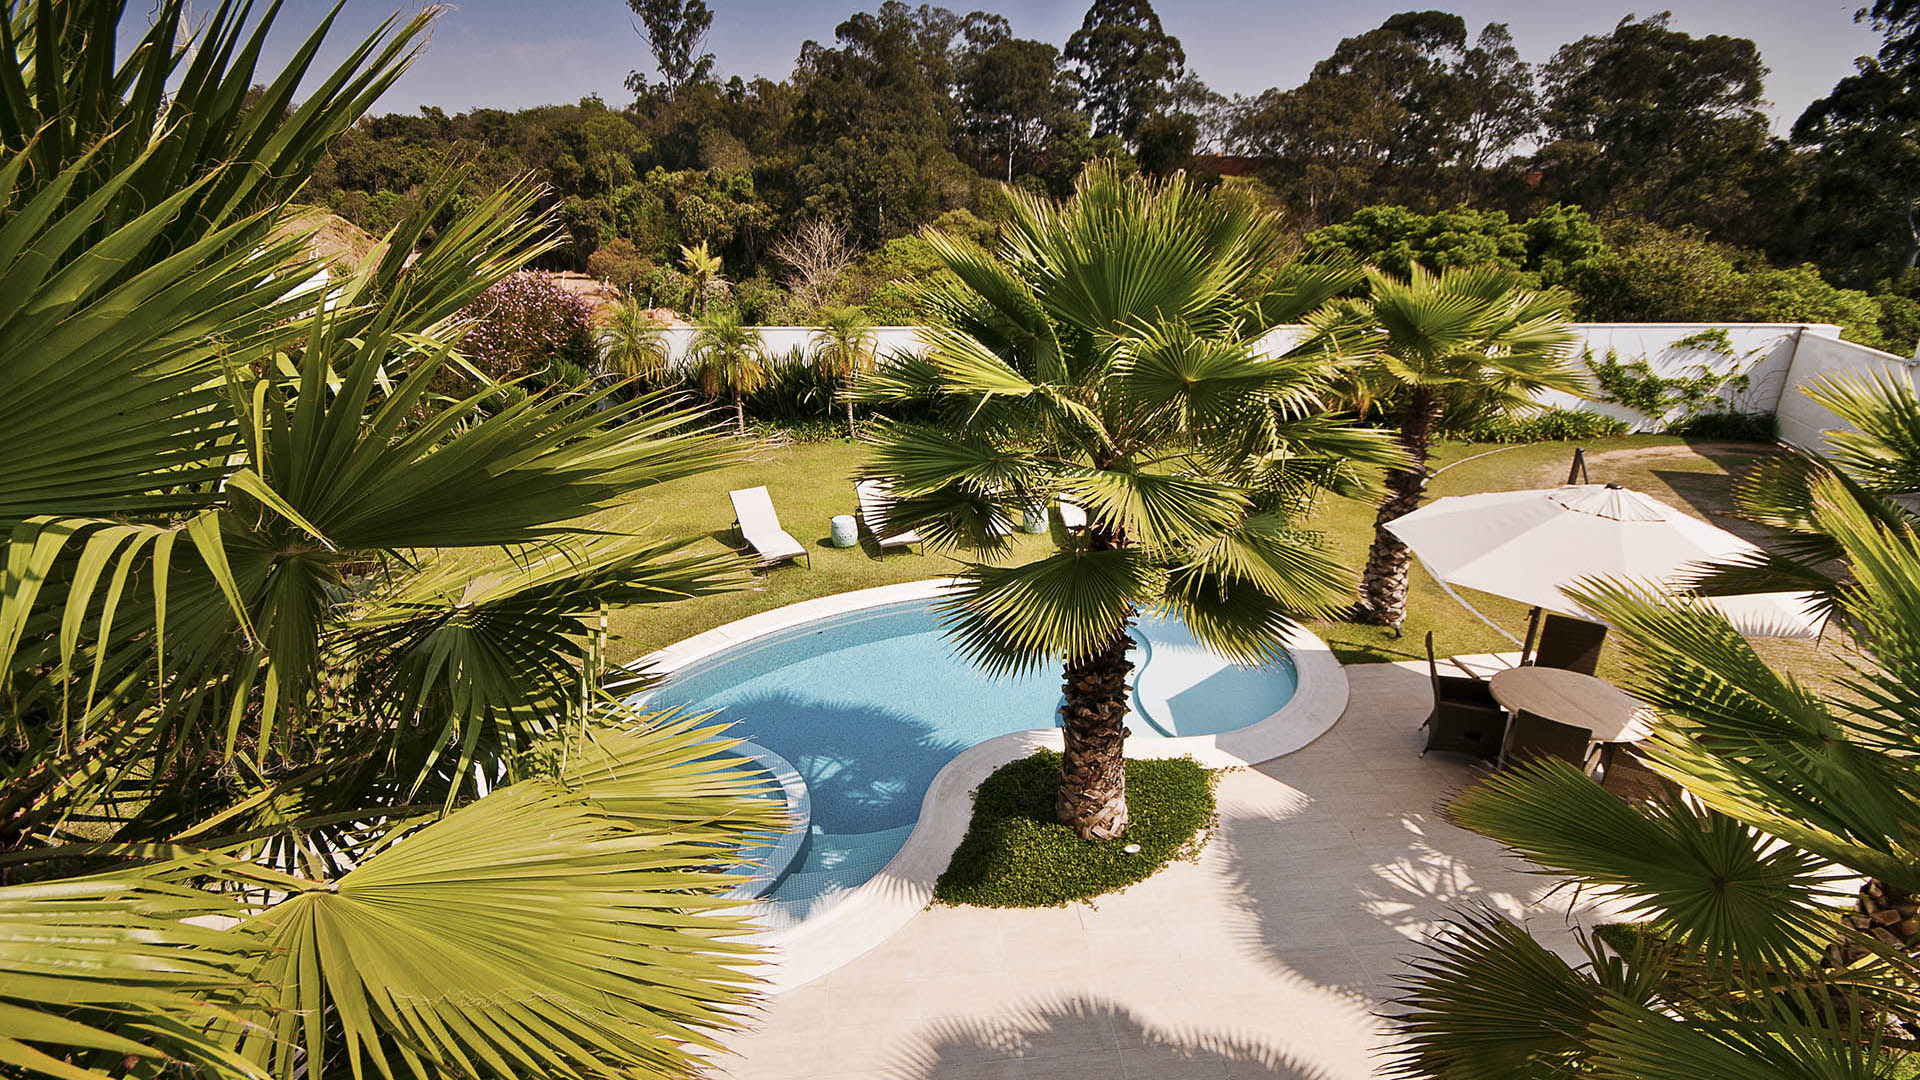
1017 854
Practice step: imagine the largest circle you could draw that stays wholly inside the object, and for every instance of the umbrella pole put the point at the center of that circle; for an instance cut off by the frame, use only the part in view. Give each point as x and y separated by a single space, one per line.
1533 632
1576 474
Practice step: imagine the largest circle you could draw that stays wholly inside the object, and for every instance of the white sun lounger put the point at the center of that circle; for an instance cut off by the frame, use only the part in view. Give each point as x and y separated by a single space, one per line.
759 526
1072 518
875 497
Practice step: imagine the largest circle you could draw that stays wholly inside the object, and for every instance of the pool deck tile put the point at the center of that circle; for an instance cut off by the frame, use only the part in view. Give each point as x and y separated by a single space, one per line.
1272 956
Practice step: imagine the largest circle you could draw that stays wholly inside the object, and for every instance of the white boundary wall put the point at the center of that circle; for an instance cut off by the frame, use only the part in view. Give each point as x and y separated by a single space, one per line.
1764 352
778 341
1802 421
1777 359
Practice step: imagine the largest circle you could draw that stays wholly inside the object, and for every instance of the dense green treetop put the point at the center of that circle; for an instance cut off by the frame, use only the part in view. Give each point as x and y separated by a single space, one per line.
1128 63
912 112
676 31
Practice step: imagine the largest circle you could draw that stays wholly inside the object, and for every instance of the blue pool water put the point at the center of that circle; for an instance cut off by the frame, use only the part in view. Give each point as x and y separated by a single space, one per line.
870 705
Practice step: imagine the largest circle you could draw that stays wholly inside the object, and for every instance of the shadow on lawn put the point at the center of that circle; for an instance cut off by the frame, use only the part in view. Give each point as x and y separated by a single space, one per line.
1069 1036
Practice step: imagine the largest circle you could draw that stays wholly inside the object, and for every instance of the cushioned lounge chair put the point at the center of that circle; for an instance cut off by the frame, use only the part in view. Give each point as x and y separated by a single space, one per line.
759 526
1465 718
875 498
1072 518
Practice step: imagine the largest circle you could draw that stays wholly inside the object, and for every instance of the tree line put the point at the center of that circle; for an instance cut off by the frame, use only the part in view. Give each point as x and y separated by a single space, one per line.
916 115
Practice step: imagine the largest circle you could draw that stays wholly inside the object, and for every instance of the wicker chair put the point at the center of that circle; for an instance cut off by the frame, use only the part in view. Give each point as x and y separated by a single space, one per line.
1531 736
1571 644
1624 772
1465 718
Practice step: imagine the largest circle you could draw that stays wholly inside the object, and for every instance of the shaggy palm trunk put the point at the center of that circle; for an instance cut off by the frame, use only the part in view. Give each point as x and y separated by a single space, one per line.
1891 916
1887 913
1093 766
1383 587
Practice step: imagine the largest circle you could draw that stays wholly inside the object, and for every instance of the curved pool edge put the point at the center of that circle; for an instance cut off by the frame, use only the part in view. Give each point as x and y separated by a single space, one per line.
870 913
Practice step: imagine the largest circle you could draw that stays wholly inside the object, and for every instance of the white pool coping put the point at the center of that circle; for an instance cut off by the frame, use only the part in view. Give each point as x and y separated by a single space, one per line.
872 912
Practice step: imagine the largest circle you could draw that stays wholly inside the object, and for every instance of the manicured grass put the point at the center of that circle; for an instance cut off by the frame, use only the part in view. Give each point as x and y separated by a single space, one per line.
1016 854
811 482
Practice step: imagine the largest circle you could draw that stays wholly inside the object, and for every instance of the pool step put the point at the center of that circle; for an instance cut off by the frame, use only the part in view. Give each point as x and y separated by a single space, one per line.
834 863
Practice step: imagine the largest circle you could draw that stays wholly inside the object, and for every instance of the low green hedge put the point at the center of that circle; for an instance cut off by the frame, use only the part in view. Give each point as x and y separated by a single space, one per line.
1016 854
1551 425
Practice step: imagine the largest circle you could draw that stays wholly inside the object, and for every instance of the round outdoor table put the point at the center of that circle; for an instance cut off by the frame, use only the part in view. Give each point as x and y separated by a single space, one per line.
1612 714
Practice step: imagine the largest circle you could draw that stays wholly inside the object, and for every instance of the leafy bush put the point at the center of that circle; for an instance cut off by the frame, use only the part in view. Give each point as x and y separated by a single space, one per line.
794 391
1552 425
1724 426
528 324
1393 238
1652 274
622 264
763 303
1016 854
817 430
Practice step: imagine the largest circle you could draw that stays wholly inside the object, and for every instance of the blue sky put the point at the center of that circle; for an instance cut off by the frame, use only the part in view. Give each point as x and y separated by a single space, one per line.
514 53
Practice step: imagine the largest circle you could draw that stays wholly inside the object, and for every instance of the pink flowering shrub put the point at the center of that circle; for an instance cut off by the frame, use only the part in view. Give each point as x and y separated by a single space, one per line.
528 324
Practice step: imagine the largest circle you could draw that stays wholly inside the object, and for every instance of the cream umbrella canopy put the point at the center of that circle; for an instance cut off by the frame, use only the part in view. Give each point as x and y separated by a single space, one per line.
1532 545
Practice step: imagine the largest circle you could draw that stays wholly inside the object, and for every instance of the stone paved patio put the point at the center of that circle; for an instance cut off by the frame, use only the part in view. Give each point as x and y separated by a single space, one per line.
1271 956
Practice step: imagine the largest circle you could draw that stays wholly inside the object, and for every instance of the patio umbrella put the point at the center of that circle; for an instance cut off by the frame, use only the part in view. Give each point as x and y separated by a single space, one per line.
1529 545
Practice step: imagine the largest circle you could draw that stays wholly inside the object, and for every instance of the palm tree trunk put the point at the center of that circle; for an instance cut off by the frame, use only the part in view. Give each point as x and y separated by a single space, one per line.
850 431
1886 912
1093 768
1383 586
740 414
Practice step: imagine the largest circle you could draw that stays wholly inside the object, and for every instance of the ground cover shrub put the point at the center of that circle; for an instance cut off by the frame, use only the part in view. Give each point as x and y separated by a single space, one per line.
1725 426
1551 425
1017 853
804 431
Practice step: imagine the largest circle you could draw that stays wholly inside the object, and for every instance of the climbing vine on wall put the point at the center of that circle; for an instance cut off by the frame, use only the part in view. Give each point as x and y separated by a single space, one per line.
1637 386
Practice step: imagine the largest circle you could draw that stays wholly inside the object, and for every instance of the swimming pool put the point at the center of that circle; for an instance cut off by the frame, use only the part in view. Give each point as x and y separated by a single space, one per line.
867 706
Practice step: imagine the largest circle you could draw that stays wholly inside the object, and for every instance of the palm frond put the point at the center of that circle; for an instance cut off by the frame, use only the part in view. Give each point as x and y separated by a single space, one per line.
99 971
1882 449
1157 510
533 931
1013 620
1487 999
490 656
1753 743
1712 883
1809 1040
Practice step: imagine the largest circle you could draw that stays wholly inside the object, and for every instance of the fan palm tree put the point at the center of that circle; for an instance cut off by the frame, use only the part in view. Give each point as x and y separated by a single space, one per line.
727 361
845 346
1875 456
1107 352
702 268
632 342
1434 348
1744 966
275 618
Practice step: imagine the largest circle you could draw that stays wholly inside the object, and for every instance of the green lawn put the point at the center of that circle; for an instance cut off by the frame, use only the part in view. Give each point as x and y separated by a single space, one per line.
811 482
